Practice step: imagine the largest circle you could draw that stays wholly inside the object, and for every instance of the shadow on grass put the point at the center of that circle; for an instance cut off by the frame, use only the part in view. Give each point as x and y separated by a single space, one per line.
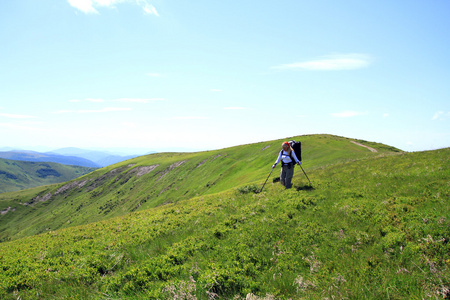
298 187
304 188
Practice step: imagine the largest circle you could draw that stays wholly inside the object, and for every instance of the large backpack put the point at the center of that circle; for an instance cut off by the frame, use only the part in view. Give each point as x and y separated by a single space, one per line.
297 146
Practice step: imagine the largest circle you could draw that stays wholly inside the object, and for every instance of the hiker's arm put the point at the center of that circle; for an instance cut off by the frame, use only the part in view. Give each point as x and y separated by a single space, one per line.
277 161
295 158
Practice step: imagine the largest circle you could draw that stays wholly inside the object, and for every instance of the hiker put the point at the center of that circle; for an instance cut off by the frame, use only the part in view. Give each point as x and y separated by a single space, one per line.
287 157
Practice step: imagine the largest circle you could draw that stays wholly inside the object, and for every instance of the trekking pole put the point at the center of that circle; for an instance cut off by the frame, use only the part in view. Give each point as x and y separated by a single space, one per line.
306 175
266 180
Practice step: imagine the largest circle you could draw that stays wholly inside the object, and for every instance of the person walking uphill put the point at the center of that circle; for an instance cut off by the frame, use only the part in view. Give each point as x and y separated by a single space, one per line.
287 157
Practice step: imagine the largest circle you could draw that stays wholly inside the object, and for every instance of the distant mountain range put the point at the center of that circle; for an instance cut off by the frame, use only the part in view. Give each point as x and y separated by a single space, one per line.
101 159
67 156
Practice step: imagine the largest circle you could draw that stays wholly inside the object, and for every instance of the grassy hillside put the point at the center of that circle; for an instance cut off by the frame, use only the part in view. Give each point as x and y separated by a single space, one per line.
373 227
156 179
19 175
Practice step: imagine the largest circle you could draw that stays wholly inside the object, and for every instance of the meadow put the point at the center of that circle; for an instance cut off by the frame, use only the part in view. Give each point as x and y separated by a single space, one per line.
157 179
19 175
372 226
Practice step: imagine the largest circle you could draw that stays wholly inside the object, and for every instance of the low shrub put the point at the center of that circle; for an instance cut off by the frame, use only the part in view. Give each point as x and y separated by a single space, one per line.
253 188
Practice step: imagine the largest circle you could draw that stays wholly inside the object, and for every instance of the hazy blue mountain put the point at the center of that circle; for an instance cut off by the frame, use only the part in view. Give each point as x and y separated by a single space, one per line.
48 157
101 158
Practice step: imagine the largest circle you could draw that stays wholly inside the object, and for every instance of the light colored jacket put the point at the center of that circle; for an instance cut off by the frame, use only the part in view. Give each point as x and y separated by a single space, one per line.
284 156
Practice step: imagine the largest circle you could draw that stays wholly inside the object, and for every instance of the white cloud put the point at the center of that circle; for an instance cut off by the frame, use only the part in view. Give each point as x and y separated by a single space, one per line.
25 126
128 100
89 6
441 115
129 125
85 6
330 63
88 111
154 74
139 100
13 116
148 8
95 100
190 118
348 114
385 115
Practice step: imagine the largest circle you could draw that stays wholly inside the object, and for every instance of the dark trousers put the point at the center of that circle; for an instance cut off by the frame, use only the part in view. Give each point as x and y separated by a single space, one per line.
287 172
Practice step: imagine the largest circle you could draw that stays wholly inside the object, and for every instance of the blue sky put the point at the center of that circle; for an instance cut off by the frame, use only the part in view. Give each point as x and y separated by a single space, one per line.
207 74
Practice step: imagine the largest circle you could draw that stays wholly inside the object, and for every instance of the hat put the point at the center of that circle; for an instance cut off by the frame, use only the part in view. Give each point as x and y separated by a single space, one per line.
285 143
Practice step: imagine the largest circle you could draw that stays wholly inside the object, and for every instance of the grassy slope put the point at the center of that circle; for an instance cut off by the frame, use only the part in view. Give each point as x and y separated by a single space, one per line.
375 228
19 175
118 189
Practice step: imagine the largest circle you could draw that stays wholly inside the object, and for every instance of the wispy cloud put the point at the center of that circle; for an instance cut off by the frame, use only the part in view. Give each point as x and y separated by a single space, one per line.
95 100
348 114
190 118
234 108
91 6
86 6
156 75
128 100
148 8
130 125
23 126
13 116
89 111
139 100
441 115
330 63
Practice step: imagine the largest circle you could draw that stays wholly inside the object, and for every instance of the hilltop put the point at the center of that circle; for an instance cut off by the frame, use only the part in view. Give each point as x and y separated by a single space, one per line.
374 225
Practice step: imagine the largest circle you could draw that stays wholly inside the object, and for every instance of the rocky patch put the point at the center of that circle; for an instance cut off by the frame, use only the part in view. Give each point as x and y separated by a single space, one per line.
5 211
170 168
202 162
70 186
140 171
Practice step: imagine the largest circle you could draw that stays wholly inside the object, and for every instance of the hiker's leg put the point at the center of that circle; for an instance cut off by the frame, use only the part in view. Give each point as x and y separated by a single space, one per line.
283 176
289 175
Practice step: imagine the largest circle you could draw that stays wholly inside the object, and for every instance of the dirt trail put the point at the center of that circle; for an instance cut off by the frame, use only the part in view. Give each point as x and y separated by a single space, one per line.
370 148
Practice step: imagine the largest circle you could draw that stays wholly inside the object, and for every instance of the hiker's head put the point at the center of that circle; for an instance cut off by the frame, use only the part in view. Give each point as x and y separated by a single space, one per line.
286 146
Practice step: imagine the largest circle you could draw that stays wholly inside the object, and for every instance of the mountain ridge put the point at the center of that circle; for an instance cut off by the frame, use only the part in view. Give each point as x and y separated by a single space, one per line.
101 158
156 179
67 156
372 226
33 156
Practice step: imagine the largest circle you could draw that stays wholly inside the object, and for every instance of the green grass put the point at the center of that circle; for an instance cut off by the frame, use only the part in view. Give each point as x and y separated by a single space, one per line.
117 190
373 226
20 175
